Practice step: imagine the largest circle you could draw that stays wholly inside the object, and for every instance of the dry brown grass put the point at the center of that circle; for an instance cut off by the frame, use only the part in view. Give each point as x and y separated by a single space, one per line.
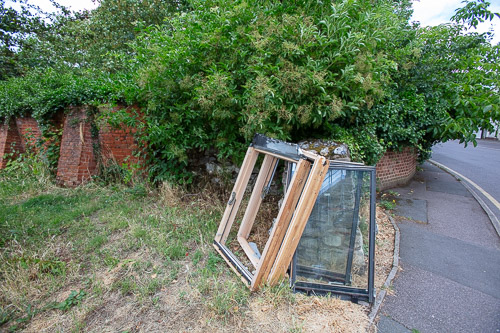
384 248
131 286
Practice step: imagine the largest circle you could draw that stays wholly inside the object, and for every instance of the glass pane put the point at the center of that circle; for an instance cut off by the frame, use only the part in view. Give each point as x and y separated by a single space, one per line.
334 246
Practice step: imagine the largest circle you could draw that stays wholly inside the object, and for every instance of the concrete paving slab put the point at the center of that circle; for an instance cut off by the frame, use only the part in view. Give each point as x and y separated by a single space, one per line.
462 218
415 189
437 180
431 303
414 209
389 325
427 172
427 167
446 186
465 263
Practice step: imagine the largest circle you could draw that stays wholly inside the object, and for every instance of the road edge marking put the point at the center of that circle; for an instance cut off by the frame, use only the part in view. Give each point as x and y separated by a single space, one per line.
465 182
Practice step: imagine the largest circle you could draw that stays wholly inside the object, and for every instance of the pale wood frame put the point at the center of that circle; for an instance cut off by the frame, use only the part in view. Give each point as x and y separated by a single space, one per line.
291 220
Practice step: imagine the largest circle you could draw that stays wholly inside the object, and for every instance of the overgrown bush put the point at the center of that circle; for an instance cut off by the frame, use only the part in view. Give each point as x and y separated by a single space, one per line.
211 74
218 74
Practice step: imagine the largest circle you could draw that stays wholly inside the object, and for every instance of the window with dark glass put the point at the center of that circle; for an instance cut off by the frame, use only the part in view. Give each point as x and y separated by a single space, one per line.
336 250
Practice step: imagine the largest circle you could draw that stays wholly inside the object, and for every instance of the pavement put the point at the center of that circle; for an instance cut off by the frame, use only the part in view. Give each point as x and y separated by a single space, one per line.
449 277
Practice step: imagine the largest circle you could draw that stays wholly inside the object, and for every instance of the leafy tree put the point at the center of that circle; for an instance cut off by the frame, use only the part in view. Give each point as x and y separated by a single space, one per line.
86 39
473 13
447 87
100 38
212 73
15 28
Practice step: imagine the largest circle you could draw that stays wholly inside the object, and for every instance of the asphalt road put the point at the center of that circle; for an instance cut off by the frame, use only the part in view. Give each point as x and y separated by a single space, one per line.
480 164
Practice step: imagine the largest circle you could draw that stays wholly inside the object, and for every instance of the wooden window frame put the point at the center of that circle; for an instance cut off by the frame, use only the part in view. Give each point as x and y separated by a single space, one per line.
290 222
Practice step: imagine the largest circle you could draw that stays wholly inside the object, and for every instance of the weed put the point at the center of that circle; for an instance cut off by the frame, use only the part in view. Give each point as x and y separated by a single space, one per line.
151 287
118 223
175 251
43 215
5 315
196 257
96 242
78 326
389 288
393 193
228 297
109 260
277 294
138 191
125 285
92 229
31 311
298 327
97 288
74 298
40 266
389 205
27 165
140 233
213 262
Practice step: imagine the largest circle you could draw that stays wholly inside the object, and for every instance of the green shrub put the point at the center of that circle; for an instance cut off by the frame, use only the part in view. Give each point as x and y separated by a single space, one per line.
215 76
216 72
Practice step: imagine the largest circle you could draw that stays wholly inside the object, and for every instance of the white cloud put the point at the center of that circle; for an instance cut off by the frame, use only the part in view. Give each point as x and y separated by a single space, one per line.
46 6
434 12
74 5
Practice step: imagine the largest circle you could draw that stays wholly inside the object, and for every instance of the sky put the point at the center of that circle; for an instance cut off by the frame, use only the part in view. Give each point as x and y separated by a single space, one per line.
427 12
434 12
74 5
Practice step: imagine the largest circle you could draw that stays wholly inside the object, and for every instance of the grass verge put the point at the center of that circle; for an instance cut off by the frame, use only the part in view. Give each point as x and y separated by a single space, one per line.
135 259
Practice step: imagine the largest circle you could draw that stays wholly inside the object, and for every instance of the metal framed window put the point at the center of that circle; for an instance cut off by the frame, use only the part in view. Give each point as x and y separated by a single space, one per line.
302 190
336 252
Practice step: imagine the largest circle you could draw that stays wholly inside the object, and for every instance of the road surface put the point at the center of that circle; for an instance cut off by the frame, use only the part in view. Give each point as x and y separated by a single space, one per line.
480 164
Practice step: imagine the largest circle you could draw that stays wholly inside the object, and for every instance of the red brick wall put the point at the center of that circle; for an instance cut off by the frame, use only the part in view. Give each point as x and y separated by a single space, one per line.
118 144
29 131
77 162
396 168
9 141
